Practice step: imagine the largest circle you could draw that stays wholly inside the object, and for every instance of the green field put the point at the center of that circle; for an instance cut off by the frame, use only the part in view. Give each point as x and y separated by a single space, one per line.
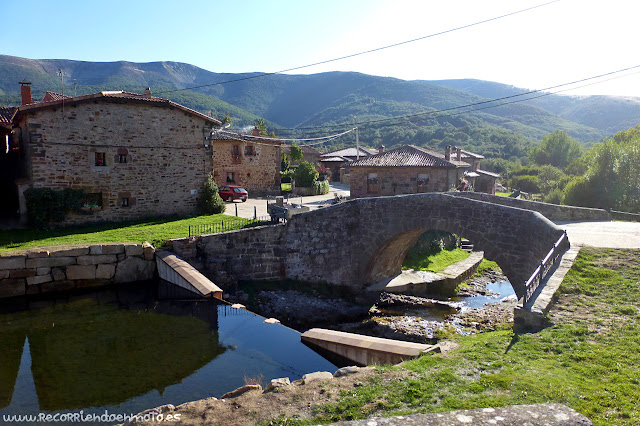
155 231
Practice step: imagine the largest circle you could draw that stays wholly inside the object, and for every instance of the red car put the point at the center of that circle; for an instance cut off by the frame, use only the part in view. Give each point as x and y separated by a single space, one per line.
233 192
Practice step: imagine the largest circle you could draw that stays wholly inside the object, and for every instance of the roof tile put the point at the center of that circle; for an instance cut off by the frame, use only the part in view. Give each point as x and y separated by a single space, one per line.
408 156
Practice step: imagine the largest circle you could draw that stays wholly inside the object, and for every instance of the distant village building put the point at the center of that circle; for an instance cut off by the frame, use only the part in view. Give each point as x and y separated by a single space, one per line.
341 158
251 161
411 169
134 155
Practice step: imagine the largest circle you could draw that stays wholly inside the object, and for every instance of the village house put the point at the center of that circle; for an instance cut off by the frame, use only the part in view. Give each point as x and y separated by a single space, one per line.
251 161
411 169
338 161
134 155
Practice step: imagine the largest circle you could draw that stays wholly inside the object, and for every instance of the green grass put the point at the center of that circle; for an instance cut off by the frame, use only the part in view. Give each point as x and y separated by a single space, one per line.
589 361
503 194
437 262
285 186
156 231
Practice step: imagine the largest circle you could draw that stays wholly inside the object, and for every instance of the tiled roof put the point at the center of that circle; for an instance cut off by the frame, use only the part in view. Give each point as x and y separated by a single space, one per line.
333 160
486 173
116 94
467 154
230 135
408 156
350 152
6 114
53 96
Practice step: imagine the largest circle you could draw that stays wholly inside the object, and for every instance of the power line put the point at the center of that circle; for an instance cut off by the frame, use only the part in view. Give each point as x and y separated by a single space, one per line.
365 52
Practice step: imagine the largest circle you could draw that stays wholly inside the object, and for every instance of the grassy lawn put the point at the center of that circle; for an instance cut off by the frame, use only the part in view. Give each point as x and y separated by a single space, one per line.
156 231
285 186
503 194
434 262
589 360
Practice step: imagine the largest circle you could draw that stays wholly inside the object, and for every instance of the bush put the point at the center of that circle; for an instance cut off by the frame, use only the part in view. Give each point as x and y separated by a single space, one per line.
209 201
286 176
321 187
45 205
554 197
579 192
526 183
305 174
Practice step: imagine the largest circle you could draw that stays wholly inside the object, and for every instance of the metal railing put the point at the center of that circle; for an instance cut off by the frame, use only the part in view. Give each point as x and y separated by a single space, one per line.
231 224
541 271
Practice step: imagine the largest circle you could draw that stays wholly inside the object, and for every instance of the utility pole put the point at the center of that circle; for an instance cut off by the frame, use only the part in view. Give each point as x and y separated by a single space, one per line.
62 80
355 122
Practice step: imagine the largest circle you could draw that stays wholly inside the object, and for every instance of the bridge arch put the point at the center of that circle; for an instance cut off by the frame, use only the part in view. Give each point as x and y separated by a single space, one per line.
363 241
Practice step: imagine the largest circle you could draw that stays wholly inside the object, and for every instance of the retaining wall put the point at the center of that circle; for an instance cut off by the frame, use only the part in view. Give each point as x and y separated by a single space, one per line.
553 212
42 270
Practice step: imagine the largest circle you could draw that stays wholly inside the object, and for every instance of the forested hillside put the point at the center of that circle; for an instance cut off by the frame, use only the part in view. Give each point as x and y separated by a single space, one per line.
321 104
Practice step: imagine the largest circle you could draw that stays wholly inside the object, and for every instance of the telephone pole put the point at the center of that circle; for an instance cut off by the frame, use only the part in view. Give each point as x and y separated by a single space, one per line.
355 122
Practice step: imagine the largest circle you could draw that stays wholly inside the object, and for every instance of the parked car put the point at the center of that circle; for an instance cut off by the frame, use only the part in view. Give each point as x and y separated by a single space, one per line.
233 192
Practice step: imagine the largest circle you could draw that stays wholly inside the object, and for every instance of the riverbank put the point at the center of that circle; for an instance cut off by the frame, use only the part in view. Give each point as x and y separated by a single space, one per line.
588 360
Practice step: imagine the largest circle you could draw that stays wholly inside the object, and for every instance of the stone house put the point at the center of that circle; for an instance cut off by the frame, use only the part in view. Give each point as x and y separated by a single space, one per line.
251 161
341 158
411 169
134 155
408 169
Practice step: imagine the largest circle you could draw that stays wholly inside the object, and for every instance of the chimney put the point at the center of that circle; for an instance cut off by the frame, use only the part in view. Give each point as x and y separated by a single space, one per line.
256 132
381 149
447 153
25 91
459 154
147 92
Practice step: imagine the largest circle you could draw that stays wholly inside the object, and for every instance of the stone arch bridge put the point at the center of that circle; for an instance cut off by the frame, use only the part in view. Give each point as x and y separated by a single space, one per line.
363 241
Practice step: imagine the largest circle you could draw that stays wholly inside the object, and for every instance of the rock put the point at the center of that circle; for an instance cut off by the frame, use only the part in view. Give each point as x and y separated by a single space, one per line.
148 251
134 269
81 272
97 259
238 306
133 249
107 249
15 262
277 383
105 272
345 371
58 274
39 279
272 321
317 376
241 390
13 287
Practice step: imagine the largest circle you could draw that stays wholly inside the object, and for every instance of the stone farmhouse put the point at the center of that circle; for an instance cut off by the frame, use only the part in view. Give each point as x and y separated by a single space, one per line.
338 161
134 155
251 161
411 169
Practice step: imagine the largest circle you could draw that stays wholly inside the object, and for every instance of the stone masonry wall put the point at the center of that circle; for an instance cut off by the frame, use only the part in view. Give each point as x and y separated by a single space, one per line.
40 270
550 211
250 254
257 170
363 241
162 149
400 180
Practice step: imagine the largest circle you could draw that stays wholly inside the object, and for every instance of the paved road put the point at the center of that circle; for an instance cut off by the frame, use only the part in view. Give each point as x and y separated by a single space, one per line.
603 234
259 205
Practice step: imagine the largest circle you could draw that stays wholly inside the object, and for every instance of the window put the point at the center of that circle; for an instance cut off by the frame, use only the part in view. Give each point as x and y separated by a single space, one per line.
236 150
92 201
373 185
423 182
100 159
248 150
235 154
230 177
122 158
125 202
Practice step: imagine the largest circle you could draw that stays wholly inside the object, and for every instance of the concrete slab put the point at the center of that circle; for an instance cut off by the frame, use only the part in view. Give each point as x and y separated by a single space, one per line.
364 350
175 270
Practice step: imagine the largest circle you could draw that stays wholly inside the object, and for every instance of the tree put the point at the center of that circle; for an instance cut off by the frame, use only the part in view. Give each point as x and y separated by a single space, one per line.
296 153
226 119
284 162
209 201
305 174
261 125
557 149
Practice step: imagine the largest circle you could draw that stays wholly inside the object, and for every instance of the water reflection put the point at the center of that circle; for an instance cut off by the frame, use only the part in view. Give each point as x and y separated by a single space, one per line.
124 353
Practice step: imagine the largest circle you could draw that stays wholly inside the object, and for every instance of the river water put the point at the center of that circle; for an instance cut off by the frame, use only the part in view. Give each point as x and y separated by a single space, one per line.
122 352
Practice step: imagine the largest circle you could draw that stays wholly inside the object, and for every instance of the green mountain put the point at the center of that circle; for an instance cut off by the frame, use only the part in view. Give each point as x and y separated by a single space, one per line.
321 104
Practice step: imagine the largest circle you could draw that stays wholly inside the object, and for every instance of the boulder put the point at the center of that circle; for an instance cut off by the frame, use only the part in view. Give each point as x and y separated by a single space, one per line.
134 269
317 376
277 383
241 390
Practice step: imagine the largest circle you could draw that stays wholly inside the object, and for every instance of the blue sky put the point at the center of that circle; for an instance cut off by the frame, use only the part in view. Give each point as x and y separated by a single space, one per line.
554 44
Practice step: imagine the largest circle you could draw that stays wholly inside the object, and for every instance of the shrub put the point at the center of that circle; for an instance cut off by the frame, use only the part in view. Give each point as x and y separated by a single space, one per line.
321 187
526 183
286 176
209 201
554 197
305 174
45 205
